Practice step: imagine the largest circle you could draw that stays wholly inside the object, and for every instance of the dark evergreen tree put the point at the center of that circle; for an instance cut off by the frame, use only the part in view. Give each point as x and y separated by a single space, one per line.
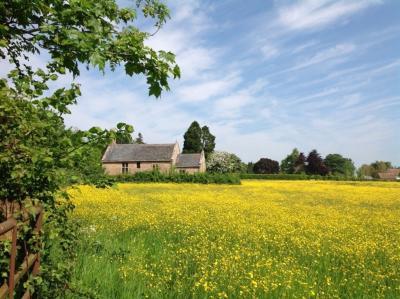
315 164
207 140
139 139
300 164
192 139
265 165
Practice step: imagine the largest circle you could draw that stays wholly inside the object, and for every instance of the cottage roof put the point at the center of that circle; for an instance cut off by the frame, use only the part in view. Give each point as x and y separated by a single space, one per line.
139 152
188 160
390 174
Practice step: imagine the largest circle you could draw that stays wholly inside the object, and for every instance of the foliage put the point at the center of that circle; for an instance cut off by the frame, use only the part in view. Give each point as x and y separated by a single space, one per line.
38 155
192 139
265 165
139 139
300 164
262 239
249 168
87 32
373 169
207 141
315 164
338 165
223 162
124 134
288 164
197 139
179 177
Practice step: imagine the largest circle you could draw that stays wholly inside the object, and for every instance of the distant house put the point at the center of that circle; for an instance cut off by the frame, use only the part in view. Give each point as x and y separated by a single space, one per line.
392 174
131 158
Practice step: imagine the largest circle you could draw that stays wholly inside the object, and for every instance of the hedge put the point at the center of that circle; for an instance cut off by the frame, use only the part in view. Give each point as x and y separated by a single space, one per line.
176 177
253 176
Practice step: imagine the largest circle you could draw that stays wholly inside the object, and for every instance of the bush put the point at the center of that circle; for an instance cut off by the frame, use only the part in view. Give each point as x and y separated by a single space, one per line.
223 162
176 177
266 166
252 176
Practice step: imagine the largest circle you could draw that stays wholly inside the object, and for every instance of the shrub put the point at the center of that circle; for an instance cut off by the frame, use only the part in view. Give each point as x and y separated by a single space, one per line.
176 177
223 162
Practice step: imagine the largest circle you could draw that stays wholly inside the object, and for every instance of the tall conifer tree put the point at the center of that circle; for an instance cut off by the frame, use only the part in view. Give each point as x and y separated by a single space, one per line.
207 140
192 139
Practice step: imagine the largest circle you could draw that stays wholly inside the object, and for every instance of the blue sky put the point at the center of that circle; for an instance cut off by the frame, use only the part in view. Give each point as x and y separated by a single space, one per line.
268 76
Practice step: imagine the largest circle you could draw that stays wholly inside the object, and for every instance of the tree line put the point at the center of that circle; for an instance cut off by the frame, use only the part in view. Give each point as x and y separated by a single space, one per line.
312 164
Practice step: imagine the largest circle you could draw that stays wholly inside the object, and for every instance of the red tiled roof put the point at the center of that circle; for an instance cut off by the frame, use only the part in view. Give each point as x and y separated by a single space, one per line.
390 174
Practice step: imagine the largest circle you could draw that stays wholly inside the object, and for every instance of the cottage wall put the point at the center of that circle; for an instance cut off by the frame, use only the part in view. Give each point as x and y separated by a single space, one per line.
202 163
116 168
175 153
112 168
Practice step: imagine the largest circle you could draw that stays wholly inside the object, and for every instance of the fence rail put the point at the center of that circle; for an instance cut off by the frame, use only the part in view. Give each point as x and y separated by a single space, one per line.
9 231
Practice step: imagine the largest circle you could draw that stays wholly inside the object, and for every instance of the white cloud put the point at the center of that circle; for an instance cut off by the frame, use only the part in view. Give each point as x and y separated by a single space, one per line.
316 14
232 104
209 88
338 51
183 35
195 61
304 46
229 105
269 51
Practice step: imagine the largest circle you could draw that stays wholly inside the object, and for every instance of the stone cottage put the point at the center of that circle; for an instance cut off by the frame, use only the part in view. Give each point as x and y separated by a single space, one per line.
131 158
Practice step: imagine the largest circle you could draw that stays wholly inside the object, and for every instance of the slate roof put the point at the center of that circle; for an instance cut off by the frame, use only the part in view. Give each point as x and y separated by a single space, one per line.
188 160
139 152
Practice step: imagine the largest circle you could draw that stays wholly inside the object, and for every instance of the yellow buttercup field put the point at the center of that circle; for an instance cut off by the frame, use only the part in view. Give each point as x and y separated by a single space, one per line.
261 239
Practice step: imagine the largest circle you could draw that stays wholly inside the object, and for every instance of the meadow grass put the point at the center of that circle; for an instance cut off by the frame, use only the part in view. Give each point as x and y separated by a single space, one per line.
261 239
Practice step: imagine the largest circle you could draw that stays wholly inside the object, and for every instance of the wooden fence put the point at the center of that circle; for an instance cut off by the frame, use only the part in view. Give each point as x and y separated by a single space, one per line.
31 261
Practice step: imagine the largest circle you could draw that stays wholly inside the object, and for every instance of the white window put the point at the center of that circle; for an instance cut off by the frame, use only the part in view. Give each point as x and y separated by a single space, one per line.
124 167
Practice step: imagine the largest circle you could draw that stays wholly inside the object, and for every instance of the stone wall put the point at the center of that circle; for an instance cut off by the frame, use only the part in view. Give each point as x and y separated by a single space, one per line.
175 153
202 163
116 168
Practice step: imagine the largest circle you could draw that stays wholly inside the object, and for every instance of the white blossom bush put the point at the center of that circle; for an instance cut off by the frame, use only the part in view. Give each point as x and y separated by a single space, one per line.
223 162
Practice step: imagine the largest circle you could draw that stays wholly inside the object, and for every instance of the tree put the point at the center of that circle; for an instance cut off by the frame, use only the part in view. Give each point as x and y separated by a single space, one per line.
380 166
373 169
223 162
139 139
300 164
90 33
338 165
207 140
197 139
265 165
37 152
288 164
315 164
192 139
124 134
364 171
250 167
